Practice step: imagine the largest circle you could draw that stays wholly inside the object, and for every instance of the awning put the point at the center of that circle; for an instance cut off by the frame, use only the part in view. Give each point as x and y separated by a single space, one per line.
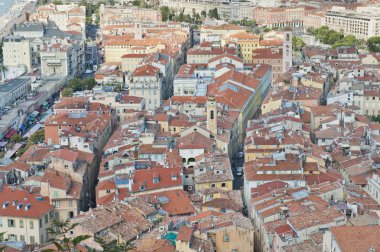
33 130
12 151
10 133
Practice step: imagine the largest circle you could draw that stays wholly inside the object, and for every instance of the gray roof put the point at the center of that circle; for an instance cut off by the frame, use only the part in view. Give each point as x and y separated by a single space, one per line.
12 85
50 30
30 26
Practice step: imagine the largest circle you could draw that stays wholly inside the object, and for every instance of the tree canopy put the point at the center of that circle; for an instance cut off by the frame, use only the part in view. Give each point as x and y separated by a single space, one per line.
37 137
67 92
373 44
333 38
297 43
77 84
213 13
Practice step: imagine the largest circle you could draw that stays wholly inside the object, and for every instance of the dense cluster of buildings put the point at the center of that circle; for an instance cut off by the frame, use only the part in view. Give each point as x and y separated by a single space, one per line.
233 143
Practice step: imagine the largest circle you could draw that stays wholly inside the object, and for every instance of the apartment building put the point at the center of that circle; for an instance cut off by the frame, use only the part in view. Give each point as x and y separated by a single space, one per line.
17 52
39 34
271 56
85 131
214 33
25 216
63 57
314 20
146 82
130 61
282 17
368 100
66 195
12 90
234 10
363 23
373 187
129 12
68 17
245 43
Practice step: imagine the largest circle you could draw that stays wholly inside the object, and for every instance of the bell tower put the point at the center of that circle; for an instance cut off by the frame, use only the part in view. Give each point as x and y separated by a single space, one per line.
287 58
212 114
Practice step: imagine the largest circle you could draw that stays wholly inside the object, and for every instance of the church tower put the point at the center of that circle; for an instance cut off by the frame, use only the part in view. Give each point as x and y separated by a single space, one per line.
138 30
287 58
212 114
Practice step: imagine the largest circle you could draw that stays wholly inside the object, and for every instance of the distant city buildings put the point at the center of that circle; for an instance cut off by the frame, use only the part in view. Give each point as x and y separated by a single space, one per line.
363 23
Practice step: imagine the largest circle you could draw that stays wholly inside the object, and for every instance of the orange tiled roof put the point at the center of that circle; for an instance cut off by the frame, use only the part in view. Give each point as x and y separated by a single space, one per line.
38 208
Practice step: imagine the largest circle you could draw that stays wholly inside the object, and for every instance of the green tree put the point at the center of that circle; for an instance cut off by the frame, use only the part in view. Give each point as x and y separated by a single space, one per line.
373 44
2 248
3 68
1 50
213 13
37 137
62 241
165 13
297 43
16 138
136 3
125 247
203 13
267 29
77 84
67 92
114 247
332 38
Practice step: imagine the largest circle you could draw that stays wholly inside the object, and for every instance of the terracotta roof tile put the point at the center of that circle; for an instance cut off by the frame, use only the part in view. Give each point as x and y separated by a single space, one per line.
357 238
185 234
37 208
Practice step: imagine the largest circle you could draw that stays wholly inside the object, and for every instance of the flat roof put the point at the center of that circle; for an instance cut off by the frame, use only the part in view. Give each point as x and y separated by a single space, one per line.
12 85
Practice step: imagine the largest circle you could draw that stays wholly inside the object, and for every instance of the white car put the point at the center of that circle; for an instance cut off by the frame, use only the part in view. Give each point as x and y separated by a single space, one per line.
239 171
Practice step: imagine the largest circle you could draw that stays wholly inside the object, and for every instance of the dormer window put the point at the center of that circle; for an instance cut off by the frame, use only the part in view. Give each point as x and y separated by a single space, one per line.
156 180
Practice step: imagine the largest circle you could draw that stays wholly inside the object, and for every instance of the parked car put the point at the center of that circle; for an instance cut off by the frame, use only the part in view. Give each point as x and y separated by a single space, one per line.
239 171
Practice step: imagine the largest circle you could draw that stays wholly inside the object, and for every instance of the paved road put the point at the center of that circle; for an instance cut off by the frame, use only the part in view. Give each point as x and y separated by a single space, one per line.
238 180
30 7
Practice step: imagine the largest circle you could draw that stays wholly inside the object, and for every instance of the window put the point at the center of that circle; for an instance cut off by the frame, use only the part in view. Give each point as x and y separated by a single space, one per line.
212 185
12 237
226 238
22 238
21 223
108 191
11 223
31 224
46 219
223 184
156 180
32 240
212 114
70 203
55 194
